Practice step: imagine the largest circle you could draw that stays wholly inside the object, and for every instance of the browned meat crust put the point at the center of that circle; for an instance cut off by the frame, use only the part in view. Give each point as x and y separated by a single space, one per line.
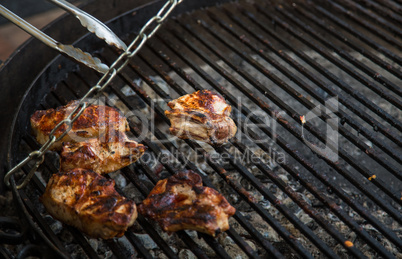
181 202
101 155
89 202
203 115
93 122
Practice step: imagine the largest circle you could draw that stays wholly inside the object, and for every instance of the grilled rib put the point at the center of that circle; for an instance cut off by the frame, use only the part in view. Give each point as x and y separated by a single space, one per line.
203 115
102 155
93 122
89 202
181 202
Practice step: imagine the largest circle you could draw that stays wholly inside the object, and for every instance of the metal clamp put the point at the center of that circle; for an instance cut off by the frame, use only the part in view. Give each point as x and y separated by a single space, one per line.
147 31
92 24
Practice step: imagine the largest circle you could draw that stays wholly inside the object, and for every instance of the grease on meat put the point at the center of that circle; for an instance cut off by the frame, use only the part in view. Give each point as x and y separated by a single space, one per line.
203 115
89 202
93 122
103 155
181 202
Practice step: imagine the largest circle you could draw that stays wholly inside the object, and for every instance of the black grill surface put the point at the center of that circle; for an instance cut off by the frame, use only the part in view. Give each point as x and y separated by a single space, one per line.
273 61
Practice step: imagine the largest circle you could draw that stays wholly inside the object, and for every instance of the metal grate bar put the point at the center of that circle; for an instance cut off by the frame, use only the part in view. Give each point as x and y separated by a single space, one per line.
135 88
290 193
296 116
356 206
379 20
212 242
170 146
135 241
382 10
236 237
380 33
197 148
60 94
282 208
150 230
370 72
183 235
167 59
378 157
81 240
390 5
194 38
354 45
358 34
310 167
343 85
346 118
269 94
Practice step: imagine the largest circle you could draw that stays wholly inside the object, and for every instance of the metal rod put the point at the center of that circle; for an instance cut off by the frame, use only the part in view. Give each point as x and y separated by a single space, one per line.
255 182
380 33
187 77
189 80
390 151
371 152
382 10
215 246
295 116
294 154
354 45
376 76
343 85
391 5
244 171
258 237
359 35
384 24
183 159
284 86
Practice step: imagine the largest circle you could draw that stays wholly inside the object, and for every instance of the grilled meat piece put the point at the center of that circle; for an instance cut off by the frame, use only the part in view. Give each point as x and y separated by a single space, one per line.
181 202
89 202
102 155
93 122
203 115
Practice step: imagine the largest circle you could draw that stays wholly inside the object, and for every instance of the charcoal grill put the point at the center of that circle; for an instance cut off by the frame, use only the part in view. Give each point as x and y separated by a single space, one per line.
274 61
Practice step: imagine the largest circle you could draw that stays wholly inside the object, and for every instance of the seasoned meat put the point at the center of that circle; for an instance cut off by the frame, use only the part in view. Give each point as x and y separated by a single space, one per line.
102 155
181 202
93 122
203 115
89 202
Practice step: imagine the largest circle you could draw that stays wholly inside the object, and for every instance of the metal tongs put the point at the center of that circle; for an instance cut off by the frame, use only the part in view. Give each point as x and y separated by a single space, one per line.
91 23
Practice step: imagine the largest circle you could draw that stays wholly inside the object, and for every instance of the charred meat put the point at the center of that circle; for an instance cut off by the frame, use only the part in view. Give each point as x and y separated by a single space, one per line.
102 155
181 202
95 121
203 115
89 202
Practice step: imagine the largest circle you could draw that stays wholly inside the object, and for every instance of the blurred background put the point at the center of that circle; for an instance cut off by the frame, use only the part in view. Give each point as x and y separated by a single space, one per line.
37 12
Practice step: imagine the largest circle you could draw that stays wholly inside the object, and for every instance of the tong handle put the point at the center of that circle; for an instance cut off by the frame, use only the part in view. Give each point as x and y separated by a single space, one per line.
27 27
75 53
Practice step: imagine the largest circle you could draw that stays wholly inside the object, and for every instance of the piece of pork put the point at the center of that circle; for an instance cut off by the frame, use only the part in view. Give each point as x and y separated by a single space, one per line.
102 155
89 202
203 115
95 121
181 202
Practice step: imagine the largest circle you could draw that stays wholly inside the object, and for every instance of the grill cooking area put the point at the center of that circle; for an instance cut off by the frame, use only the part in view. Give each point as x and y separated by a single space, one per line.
314 169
